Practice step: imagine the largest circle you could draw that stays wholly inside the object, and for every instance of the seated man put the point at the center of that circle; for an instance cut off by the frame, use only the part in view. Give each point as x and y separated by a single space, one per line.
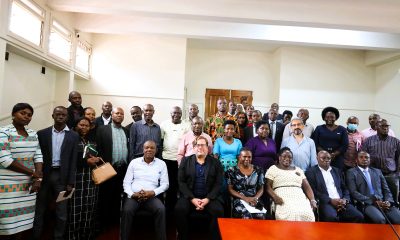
145 178
329 188
200 181
368 186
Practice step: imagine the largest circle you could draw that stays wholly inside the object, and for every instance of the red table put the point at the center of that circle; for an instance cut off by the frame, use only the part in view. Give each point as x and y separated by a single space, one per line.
244 229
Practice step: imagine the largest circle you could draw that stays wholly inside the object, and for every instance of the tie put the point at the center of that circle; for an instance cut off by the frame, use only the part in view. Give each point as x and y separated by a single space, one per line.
273 130
369 183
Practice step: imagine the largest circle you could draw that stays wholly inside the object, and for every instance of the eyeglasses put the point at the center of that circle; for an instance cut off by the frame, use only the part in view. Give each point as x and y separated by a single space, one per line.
296 124
201 145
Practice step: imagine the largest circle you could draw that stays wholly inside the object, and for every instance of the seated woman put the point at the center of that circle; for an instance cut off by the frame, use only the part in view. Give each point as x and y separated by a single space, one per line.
245 182
227 148
288 187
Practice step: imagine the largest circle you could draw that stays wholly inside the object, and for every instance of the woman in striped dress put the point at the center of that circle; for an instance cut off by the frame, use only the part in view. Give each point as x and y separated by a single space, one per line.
20 173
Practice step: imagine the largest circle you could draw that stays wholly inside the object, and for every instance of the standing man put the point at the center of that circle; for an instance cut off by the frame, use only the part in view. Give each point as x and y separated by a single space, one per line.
143 131
185 148
276 128
112 145
368 187
232 107
303 147
193 112
145 179
330 189
105 117
136 114
356 139
308 127
75 110
279 116
250 131
384 151
200 181
59 148
373 120
215 124
172 132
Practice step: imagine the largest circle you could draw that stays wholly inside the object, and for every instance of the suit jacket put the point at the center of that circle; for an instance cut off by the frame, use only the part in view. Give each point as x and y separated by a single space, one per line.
317 182
214 174
358 186
71 119
280 127
68 156
100 122
105 144
248 134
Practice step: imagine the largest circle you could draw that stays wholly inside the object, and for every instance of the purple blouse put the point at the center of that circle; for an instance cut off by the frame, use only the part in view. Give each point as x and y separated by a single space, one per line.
264 156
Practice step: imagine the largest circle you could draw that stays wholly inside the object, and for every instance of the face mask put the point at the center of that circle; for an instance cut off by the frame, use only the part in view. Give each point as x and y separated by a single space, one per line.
352 126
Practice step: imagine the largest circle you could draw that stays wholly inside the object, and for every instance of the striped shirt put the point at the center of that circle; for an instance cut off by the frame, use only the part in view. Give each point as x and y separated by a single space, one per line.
142 132
120 151
384 153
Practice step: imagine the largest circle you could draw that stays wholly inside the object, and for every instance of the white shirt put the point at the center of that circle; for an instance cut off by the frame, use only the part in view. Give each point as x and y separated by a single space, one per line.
307 130
106 120
330 183
273 128
151 176
172 135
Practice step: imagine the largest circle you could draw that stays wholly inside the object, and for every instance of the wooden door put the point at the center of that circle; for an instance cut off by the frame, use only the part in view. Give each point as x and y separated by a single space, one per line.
212 96
237 95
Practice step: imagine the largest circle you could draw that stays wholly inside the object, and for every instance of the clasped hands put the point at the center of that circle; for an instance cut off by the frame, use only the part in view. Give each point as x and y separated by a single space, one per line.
339 204
143 195
384 205
200 203
252 201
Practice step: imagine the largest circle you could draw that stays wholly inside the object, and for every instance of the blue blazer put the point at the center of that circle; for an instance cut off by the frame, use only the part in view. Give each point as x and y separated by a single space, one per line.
358 186
317 182
68 154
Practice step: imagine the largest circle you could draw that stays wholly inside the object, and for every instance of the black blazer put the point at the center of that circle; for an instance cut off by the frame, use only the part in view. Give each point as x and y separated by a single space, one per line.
100 122
105 144
214 174
248 134
317 182
358 186
280 127
71 120
68 154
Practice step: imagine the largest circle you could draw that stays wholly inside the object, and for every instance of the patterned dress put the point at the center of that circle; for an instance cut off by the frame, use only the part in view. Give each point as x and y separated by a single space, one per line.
17 205
214 126
287 185
227 153
247 186
83 204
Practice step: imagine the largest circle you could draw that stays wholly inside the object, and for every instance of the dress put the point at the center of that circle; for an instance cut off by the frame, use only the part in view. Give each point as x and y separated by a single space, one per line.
227 153
247 186
83 204
287 185
263 156
17 205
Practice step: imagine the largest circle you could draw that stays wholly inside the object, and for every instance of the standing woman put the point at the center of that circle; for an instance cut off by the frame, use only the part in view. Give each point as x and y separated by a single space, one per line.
331 137
84 201
262 147
227 148
90 114
20 173
242 123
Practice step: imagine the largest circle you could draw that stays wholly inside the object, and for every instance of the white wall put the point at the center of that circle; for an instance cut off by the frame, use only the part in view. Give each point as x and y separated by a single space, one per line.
134 70
387 93
229 69
318 77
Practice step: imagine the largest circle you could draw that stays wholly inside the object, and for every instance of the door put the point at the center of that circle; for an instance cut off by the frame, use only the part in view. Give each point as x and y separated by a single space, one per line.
212 96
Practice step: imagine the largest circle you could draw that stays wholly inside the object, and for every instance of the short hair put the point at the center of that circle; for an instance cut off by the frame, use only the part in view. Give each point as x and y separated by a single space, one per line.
362 151
231 122
261 122
245 149
86 108
287 112
257 111
20 106
137 107
199 138
284 149
80 119
61 107
330 109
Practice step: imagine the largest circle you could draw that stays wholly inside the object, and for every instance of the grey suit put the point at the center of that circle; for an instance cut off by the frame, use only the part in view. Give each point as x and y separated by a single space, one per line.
358 187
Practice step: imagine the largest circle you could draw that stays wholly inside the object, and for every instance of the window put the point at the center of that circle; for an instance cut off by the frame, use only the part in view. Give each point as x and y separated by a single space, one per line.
83 52
26 21
60 41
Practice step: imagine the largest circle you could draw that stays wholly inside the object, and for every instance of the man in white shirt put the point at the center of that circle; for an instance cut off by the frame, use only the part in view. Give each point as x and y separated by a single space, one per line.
105 117
308 127
146 178
330 189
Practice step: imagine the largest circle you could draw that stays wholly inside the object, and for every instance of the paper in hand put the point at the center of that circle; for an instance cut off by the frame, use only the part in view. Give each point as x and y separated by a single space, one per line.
89 151
61 195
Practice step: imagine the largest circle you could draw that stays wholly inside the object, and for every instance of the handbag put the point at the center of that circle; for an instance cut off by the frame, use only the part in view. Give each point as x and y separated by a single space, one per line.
103 172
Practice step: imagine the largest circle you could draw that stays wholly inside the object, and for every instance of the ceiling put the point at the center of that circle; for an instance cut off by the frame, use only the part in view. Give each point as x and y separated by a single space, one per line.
356 24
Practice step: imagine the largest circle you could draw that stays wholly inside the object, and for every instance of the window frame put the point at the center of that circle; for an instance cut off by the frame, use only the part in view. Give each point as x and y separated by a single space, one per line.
65 33
87 47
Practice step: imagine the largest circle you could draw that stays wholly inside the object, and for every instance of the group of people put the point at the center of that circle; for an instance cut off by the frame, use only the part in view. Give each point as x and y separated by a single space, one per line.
236 163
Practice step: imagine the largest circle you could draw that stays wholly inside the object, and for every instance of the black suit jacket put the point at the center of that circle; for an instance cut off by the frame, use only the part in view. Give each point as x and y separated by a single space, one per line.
214 174
248 134
105 144
68 156
71 120
358 187
100 122
317 182
280 127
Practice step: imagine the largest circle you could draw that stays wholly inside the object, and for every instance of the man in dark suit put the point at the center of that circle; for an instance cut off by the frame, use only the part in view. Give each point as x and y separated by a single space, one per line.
250 131
112 145
105 116
200 181
329 188
59 149
75 110
276 128
368 187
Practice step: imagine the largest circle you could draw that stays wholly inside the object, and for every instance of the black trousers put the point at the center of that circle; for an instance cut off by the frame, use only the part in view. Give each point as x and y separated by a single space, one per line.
183 209
154 206
171 198
48 192
327 213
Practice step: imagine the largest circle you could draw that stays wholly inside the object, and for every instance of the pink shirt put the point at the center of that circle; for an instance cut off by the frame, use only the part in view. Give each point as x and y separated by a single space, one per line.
368 132
186 145
356 139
